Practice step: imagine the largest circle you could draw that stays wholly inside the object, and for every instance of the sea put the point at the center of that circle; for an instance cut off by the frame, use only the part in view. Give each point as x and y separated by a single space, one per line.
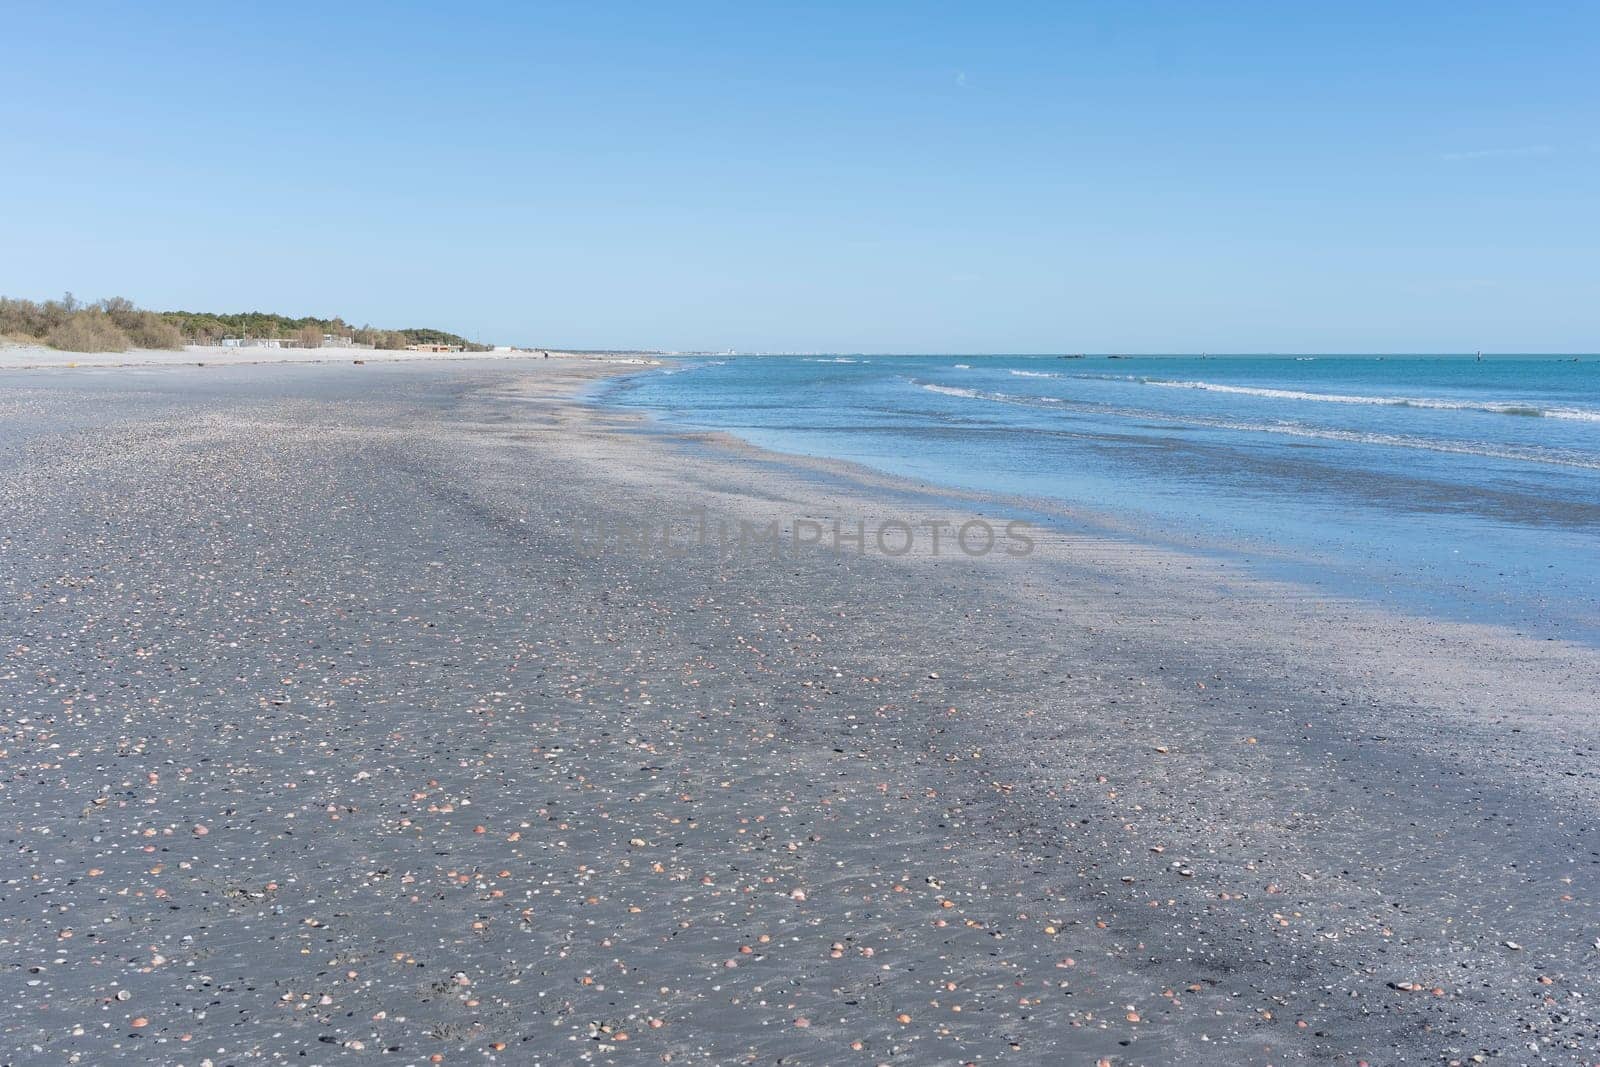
1448 486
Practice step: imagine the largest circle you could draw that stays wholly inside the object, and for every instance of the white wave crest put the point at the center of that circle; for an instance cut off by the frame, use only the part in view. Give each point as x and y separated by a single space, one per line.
1496 407
1290 429
951 390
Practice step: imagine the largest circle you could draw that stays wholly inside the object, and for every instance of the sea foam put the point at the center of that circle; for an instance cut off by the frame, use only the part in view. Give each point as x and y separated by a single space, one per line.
1284 427
1507 407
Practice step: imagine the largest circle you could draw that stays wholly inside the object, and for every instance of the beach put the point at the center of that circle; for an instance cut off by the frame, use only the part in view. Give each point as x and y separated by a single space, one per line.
347 714
39 357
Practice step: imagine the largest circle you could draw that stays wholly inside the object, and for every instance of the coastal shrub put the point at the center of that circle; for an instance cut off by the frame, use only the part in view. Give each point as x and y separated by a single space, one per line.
368 335
197 329
116 321
120 310
24 318
18 318
151 331
144 329
88 331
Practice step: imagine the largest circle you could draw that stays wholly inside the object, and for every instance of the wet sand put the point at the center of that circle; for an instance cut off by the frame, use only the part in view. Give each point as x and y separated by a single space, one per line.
328 737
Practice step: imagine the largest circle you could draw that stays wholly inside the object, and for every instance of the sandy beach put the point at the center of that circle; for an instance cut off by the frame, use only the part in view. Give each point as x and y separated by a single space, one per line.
39 357
333 732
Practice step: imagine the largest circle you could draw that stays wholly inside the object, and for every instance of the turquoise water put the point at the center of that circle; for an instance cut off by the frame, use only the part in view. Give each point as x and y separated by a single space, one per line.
1455 486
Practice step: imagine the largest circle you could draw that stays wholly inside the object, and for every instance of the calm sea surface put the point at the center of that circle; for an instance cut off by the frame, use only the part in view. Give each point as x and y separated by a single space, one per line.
1447 485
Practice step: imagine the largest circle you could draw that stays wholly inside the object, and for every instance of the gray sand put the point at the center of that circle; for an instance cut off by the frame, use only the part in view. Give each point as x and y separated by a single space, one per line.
323 739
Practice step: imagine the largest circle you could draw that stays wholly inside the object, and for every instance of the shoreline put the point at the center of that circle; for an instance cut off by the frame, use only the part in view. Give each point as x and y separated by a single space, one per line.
1095 541
1109 801
38 357
1424 542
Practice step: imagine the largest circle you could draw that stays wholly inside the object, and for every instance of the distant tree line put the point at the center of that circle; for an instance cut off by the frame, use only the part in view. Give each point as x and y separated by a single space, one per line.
115 325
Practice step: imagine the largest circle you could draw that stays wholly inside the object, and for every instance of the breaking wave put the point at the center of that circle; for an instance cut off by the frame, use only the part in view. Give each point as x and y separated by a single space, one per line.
1285 428
1432 403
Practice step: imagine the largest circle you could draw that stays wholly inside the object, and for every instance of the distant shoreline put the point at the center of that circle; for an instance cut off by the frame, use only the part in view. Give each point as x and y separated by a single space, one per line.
29 357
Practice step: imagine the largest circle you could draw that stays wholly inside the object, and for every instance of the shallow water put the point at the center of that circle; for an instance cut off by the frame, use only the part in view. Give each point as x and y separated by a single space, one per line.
1445 485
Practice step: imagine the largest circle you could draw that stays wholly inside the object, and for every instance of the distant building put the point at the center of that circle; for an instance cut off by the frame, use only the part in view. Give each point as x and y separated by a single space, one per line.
251 342
430 347
334 340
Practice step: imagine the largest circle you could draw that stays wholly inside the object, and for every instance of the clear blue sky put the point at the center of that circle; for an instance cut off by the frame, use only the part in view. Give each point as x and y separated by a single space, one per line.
1116 176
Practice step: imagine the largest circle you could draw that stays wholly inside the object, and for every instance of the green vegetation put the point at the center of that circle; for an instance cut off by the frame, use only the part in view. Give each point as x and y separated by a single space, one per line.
115 325
208 328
